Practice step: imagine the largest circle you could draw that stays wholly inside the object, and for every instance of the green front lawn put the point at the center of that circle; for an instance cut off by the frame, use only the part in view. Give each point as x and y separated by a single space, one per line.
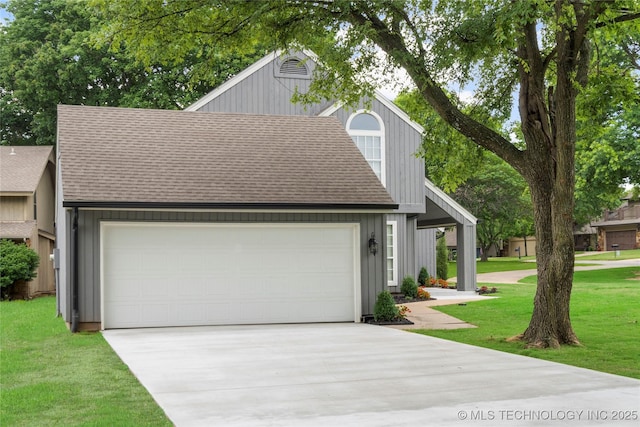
49 376
609 256
604 311
493 265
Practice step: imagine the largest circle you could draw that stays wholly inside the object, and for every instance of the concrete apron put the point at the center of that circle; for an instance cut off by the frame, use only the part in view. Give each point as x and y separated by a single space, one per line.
360 375
425 317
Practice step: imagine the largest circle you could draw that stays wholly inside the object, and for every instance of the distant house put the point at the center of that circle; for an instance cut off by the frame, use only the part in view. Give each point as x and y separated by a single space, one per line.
27 206
620 228
585 238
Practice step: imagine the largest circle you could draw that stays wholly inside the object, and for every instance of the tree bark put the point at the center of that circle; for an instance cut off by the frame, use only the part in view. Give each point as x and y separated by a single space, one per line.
549 129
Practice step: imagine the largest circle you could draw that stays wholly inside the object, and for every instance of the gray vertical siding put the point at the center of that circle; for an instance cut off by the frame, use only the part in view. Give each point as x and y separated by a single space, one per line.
372 268
416 248
426 250
404 171
63 239
410 259
466 265
264 92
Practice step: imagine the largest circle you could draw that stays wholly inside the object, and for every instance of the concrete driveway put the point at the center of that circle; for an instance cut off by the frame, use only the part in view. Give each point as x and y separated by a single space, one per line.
360 375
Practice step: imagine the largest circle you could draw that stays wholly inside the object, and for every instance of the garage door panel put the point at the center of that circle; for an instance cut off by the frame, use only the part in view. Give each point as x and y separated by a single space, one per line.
130 287
625 239
154 313
208 274
128 314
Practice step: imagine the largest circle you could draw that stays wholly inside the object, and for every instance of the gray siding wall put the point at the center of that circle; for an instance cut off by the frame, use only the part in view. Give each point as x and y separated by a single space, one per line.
410 259
373 268
426 250
404 171
264 93
416 248
63 240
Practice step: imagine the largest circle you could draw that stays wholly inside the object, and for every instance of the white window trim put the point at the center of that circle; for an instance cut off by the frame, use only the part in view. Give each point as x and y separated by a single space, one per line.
381 133
394 244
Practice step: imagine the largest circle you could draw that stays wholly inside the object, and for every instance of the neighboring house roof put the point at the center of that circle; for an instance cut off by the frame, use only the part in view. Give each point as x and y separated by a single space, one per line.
21 168
585 229
17 229
616 222
129 157
442 209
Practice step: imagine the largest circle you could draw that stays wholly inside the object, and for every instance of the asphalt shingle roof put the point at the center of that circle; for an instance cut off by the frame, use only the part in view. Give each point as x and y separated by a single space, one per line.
17 229
21 167
123 155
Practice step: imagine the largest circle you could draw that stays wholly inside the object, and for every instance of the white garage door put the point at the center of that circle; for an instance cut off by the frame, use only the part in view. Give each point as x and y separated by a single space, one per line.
177 274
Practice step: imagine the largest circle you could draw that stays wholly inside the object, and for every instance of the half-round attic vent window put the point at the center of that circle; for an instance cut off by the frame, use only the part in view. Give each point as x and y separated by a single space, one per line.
293 66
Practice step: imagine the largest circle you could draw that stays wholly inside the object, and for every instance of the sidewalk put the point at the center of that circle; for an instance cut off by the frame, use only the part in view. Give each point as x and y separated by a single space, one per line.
517 275
425 317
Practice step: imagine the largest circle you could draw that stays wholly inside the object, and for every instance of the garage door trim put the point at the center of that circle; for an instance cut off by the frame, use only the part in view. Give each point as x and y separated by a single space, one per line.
105 225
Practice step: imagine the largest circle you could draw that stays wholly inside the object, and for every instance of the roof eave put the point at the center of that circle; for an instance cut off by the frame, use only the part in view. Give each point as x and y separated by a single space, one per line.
21 193
279 206
450 204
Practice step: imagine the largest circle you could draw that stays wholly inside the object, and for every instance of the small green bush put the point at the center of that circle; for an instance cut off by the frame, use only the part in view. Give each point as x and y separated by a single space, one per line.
442 259
423 277
385 309
17 262
409 287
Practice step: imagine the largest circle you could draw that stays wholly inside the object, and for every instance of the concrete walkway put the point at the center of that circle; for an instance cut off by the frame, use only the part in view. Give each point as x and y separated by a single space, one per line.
425 317
360 375
517 275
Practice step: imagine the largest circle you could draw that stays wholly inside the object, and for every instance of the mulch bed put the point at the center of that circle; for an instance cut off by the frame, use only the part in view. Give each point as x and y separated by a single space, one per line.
369 319
401 299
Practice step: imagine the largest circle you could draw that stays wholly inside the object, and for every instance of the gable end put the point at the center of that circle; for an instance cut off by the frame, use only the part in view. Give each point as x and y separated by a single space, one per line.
293 68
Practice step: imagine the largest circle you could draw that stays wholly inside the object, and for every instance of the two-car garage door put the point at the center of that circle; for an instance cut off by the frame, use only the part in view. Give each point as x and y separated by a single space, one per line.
183 274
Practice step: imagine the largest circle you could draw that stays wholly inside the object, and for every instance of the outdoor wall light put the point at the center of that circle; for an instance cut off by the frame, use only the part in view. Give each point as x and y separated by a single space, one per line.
373 244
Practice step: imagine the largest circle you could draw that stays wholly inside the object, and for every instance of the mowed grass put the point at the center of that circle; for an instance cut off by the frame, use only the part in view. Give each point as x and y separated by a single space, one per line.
50 377
605 314
609 256
493 265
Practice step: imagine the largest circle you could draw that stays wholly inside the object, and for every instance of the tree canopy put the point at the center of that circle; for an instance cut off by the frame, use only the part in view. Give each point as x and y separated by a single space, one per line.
498 197
608 126
47 58
543 50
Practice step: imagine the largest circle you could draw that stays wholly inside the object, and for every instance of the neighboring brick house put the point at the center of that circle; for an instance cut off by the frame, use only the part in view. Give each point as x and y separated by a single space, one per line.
620 227
27 206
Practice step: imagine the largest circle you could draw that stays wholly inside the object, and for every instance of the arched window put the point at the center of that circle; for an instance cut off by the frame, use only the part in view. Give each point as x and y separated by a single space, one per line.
367 132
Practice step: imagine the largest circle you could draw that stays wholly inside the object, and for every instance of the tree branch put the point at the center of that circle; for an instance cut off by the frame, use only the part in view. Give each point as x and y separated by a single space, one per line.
394 46
618 19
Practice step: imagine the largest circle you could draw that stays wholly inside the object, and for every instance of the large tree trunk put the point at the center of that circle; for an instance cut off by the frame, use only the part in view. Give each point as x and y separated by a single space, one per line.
549 129
550 324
